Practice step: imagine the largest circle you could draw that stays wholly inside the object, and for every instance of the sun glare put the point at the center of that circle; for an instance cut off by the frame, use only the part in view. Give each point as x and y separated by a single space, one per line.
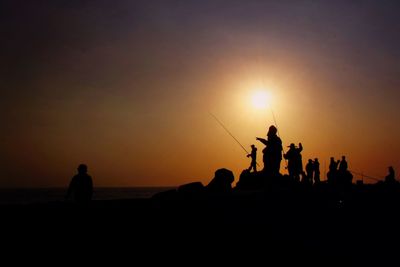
260 99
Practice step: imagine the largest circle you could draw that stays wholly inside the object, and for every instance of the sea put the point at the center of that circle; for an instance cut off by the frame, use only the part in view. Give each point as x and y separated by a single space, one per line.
23 196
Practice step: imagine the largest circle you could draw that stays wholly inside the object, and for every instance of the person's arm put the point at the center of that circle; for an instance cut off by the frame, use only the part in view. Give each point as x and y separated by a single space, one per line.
262 140
300 147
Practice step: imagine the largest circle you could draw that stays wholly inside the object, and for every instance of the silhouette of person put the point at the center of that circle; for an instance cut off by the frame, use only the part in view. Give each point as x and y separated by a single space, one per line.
272 153
317 173
343 176
300 159
309 171
333 169
390 178
253 155
343 165
333 166
295 165
81 186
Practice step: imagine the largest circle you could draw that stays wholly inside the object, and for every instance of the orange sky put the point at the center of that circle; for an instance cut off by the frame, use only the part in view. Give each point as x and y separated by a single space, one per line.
130 95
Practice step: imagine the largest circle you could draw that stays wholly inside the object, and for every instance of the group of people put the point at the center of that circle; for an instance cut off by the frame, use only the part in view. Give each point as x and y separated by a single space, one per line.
272 158
313 173
338 172
81 186
273 155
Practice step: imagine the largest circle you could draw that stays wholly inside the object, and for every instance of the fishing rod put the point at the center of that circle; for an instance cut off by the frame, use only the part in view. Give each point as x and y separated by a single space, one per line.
276 125
237 141
277 132
366 176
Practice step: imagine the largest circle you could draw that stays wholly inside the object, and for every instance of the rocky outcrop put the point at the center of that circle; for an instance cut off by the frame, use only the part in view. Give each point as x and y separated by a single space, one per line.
222 182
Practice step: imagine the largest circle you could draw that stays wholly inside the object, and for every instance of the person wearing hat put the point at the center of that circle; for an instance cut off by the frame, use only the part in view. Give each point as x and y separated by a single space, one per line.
253 155
295 164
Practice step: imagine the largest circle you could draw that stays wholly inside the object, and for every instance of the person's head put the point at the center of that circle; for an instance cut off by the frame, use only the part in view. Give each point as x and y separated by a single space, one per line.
292 146
272 130
316 159
332 159
82 169
310 161
253 146
391 169
343 157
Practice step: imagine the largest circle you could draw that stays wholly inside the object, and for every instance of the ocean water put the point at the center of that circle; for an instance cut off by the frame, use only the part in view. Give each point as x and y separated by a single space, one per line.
43 195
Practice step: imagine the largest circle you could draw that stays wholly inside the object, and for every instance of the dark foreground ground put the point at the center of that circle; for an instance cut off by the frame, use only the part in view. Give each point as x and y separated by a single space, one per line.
276 227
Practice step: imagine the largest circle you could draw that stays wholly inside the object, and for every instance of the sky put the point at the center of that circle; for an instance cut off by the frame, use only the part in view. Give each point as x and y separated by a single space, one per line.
127 87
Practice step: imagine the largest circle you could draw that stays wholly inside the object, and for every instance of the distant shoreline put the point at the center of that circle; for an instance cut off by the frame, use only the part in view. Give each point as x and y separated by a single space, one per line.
26 196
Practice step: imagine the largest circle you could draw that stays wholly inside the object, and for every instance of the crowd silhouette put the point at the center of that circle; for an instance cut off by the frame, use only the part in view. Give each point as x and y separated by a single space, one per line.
80 189
338 175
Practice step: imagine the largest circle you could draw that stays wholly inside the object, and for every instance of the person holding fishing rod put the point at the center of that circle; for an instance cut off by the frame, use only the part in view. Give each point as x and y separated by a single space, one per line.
253 155
272 153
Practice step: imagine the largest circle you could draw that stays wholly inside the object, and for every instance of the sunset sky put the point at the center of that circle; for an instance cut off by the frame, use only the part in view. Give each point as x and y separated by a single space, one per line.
127 86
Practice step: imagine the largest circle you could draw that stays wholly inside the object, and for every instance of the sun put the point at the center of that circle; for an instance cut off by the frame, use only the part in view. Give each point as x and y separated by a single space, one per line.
260 99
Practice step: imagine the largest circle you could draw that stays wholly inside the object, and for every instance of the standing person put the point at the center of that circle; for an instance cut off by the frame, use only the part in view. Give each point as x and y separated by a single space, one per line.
295 165
272 153
299 159
333 170
253 155
81 186
343 165
390 178
317 173
344 176
309 171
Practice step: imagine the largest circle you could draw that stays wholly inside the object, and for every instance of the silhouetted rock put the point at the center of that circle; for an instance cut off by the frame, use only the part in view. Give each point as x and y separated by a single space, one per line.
166 195
191 189
250 181
222 182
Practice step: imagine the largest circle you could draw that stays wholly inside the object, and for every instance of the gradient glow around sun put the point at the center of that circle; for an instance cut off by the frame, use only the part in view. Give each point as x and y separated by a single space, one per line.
260 99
